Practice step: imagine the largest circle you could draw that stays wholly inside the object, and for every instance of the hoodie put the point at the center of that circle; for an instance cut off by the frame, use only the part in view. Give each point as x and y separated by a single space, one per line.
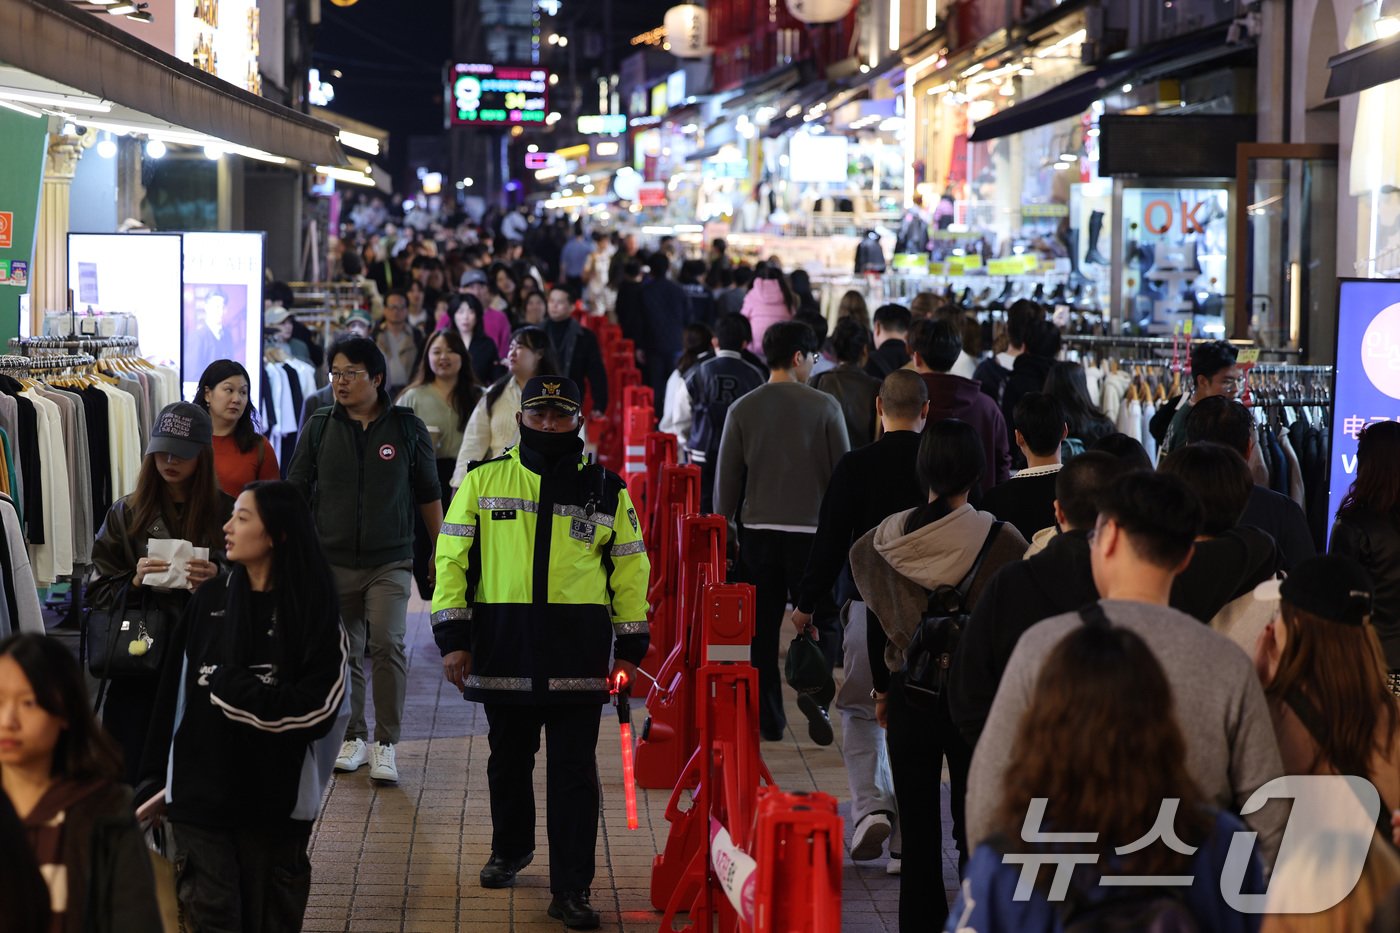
952 396
764 306
1057 580
1222 569
895 566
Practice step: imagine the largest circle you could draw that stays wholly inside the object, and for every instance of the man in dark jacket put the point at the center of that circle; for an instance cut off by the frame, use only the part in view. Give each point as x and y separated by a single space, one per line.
713 385
868 485
1059 579
1028 375
666 309
952 396
1027 500
1222 420
891 323
576 347
995 370
367 467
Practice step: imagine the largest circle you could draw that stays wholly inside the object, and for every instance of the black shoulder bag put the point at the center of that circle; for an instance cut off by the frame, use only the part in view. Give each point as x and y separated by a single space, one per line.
126 641
929 656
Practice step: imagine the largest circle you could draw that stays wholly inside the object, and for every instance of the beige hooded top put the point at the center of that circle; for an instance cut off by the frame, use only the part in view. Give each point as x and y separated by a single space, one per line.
894 571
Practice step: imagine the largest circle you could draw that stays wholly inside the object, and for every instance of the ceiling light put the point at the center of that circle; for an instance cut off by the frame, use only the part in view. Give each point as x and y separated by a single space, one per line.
359 141
348 175
63 101
106 146
155 148
1127 88
20 108
140 16
1068 157
213 153
121 9
1061 166
1387 27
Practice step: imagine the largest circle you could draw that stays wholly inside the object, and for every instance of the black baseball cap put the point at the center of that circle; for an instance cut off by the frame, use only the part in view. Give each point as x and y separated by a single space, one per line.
551 392
1332 587
182 429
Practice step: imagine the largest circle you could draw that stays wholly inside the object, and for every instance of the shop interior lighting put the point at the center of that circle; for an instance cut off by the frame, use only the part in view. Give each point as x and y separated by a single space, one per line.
973 70
348 175
20 108
61 101
106 146
1074 38
155 148
894 26
1068 157
359 142
122 9
1061 166
606 149
213 153
1128 88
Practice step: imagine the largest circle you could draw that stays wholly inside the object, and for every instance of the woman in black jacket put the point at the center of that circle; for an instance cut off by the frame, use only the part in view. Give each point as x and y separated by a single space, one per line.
60 772
258 681
177 496
1368 531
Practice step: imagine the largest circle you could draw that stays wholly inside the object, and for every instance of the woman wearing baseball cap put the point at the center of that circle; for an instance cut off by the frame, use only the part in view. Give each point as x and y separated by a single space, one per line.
177 496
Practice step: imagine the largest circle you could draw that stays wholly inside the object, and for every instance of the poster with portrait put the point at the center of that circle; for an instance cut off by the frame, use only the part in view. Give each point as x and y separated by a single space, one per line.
222 305
1367 374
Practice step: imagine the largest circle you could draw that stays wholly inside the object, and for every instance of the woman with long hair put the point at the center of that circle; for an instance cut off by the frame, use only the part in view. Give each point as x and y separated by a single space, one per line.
1099 752
61 775
895 565
492 427
697 341
239 743
533 309
853 306
467 320
1067 384
241 454
769 300
443 393
177 496
1367 530
504 288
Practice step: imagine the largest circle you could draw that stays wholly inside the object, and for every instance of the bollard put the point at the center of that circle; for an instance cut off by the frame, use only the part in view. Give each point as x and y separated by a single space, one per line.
798 845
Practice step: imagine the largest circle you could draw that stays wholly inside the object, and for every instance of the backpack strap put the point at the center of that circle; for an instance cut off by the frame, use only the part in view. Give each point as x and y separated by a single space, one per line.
410 436
316 430
1093 614
1311 718
967 581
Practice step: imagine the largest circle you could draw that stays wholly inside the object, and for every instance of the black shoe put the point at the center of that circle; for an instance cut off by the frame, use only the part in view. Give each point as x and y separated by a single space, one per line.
573 908
500 872
818 725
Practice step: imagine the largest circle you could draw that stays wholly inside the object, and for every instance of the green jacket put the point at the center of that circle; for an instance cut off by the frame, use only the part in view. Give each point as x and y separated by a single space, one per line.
363 485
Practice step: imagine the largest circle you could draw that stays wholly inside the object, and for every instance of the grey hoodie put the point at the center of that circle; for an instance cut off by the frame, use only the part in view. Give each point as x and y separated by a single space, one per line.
894 571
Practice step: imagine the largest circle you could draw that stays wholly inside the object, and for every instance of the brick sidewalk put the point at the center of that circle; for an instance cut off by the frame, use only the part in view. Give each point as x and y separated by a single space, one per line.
406 858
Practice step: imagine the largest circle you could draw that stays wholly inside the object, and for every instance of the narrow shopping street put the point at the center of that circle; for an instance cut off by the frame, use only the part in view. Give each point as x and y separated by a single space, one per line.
406 858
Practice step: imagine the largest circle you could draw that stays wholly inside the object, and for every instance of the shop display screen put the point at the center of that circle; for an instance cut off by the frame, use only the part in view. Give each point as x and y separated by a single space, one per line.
497 95
1367 374
1176 245
222 305
135 273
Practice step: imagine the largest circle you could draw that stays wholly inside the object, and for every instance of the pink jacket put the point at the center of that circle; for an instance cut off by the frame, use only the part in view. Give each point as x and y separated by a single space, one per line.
764 306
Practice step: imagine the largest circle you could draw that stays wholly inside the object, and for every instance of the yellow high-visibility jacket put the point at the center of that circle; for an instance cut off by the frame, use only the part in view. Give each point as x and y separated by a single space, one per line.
540 576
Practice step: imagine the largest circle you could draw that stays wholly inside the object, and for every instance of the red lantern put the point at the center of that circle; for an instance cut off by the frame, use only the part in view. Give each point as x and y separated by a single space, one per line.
819 11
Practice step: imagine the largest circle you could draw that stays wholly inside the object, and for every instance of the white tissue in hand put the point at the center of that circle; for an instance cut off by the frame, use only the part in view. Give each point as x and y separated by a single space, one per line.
179 553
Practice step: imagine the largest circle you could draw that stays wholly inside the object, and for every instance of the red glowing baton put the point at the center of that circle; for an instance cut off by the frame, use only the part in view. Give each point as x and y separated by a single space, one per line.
621 692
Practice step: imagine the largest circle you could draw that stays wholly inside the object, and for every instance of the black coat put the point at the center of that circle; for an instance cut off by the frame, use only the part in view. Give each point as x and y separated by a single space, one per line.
1373 541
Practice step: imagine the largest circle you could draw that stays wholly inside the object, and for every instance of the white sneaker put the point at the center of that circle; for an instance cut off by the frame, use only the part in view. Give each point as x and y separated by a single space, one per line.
869 837
892 866
353 754
383 767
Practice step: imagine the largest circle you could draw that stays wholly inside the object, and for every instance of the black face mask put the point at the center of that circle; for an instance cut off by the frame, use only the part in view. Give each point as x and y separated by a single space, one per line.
552 446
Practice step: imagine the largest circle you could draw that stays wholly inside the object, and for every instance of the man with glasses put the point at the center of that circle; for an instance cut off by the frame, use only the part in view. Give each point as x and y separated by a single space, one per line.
1215 372
399 341
367 466
777 452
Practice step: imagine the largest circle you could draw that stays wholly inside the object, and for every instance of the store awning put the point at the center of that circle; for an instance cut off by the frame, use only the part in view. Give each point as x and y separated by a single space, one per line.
1075 95
60 42
1364 67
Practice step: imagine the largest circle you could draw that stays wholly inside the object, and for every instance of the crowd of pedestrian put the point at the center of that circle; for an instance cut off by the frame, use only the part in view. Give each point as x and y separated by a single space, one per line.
1128 649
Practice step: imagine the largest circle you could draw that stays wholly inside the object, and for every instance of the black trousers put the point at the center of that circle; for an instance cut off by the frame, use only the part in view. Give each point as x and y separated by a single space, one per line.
243 880
126 715
571 782
422 543
774 562
918 740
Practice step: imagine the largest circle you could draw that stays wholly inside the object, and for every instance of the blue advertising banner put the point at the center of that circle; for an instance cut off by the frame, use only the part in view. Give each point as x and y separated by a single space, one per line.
1367 373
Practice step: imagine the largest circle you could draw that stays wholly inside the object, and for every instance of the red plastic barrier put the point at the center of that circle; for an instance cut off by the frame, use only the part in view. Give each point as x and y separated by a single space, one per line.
670 735
676 496
637 423
797 843
661 451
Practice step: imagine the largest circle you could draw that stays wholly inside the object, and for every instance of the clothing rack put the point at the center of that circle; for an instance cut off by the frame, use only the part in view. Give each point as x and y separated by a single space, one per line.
1092 341
29 365
74 343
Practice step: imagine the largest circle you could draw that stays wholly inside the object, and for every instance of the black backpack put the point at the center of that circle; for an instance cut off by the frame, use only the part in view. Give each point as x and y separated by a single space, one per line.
1128 910
929 656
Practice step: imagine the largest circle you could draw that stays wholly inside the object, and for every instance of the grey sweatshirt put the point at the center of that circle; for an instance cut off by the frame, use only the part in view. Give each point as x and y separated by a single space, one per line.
779 447
1230 746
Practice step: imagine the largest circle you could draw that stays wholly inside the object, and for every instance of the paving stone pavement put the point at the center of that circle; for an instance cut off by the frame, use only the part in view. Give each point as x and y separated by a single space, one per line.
405 859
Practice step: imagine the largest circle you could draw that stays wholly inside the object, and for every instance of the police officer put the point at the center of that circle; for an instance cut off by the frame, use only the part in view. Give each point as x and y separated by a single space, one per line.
541 575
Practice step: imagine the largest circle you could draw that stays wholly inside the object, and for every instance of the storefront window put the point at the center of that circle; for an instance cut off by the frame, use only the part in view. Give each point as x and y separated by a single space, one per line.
1175 252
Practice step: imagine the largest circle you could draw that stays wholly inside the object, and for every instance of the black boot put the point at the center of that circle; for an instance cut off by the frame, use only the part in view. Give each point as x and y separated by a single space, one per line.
1092 254
500 872
573 908
1071 241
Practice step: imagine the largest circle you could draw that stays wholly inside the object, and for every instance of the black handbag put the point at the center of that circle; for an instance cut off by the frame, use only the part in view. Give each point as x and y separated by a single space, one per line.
126 640
929 656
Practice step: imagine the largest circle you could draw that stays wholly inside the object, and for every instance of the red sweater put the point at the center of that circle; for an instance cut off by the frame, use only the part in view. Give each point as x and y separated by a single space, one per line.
237 469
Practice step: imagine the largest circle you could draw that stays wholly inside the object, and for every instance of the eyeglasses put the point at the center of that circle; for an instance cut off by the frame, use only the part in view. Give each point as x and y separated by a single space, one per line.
346 375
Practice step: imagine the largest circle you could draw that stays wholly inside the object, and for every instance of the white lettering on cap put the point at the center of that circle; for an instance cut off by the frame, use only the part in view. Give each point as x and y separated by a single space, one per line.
173 425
